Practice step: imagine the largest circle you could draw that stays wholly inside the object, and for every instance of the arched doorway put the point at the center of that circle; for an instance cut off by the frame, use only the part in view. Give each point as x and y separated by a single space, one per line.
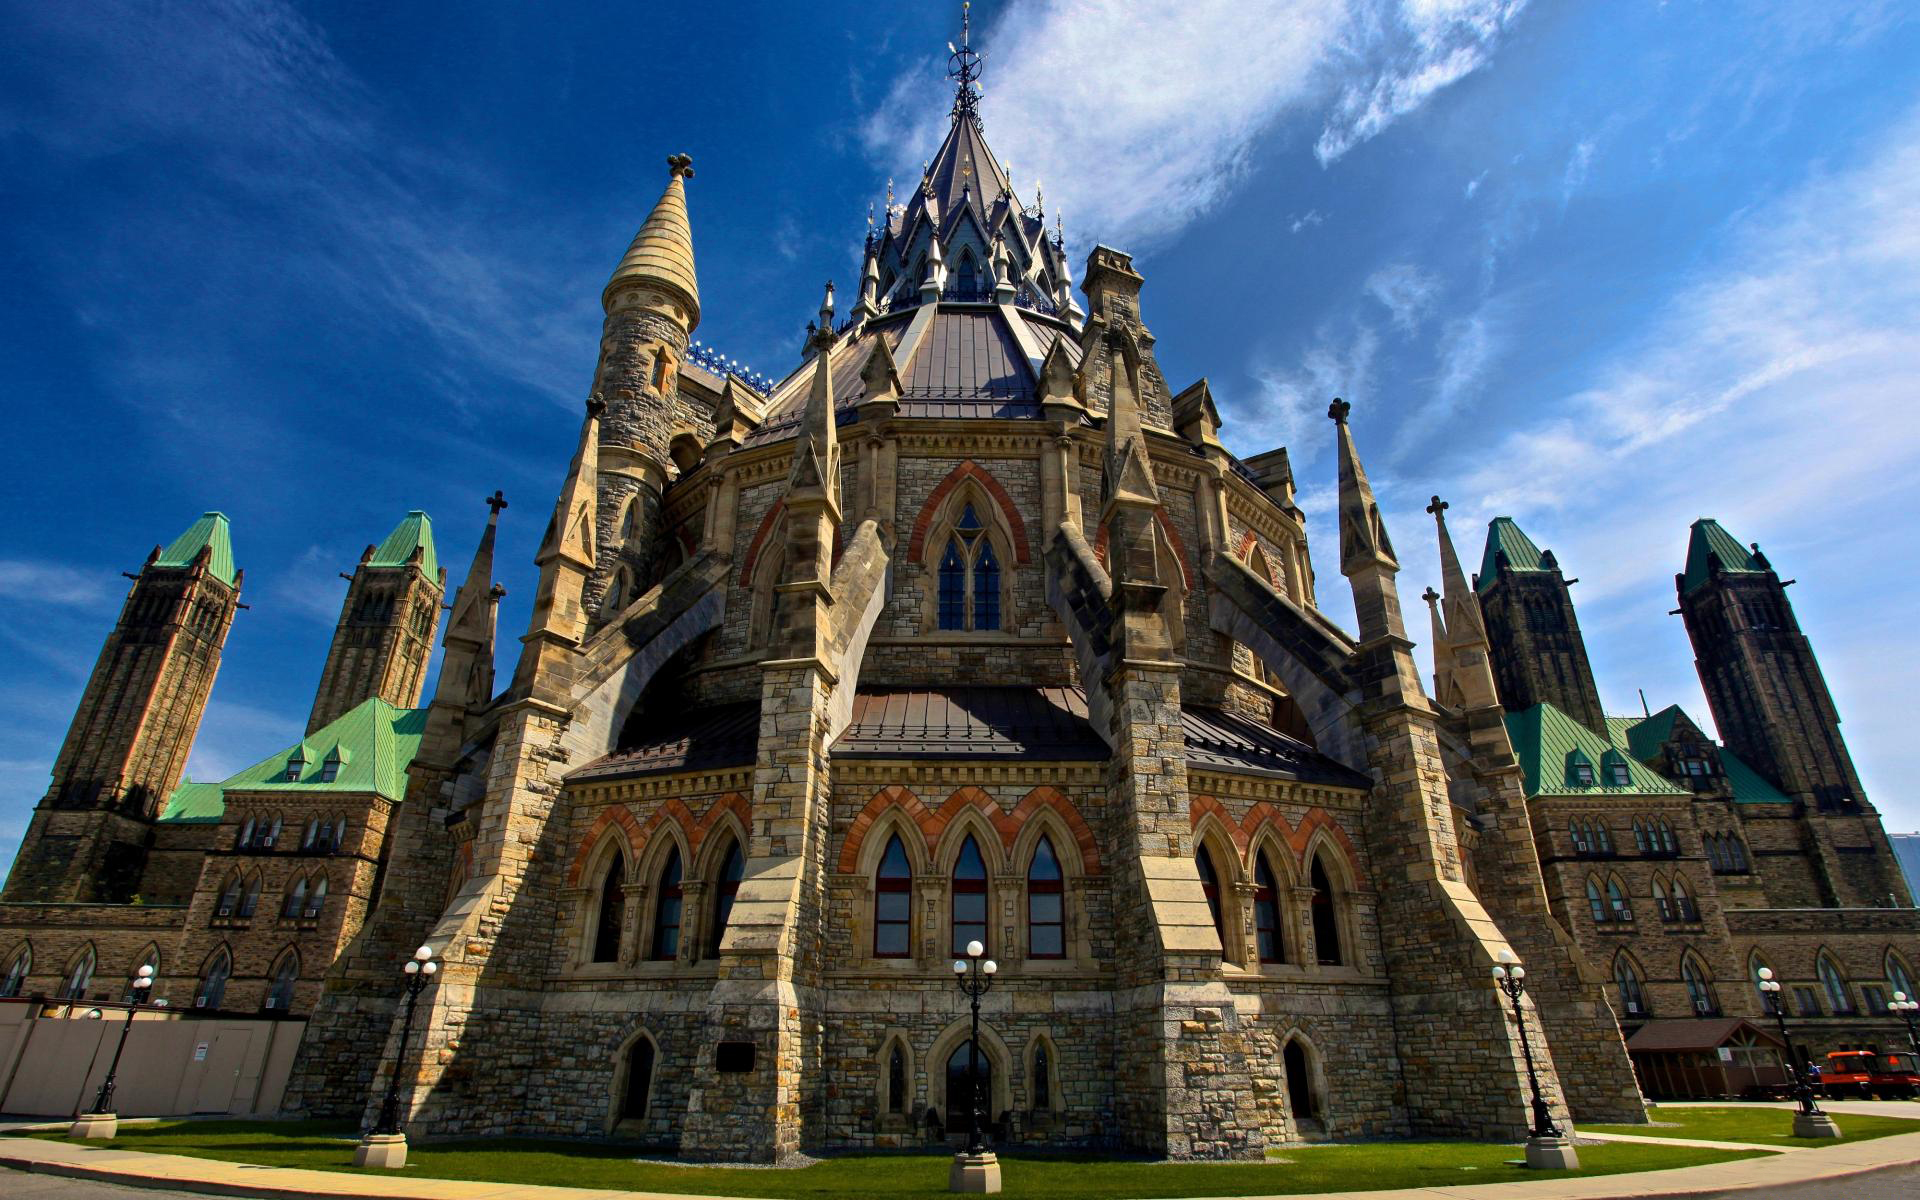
960 1093
1301 1102
633 1105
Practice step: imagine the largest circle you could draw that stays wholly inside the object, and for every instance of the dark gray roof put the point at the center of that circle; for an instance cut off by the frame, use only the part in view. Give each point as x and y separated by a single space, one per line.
725 735
969 357
1225 742
971 722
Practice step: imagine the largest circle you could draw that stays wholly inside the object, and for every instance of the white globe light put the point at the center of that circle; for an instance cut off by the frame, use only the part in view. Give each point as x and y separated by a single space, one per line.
1897 995
959 968
412 967
429 968
1506 956
423 953
990 966
1766 972
1518 972
975 949
1499 972
146 972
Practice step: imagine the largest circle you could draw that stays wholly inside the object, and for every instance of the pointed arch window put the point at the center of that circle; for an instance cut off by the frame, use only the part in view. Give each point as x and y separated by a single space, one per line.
666 910
1326 921
1640 836
1602 838
1042 1078
213 983
1577 830
896 1079
230 897
1210 888
1839 996
250 899
613 911
953 587
969 576
246 835
1898 977
1668 844
968 278
296 899
285 974
1683 906
726 887
1597 905
1706 1002
961 1096
1626 981
1046 904
1617 906
893 903
616 592
80 977
16 977
969 897
630 520
1767 999
1266 912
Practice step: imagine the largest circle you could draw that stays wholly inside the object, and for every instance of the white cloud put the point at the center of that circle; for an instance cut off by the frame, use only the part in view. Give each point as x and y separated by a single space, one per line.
1306 220
1473 185
1579 165
1149 108
1407 293
1292 400
51 583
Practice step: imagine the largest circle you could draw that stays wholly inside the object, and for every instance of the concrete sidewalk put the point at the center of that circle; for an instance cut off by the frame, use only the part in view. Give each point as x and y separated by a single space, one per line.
209 1177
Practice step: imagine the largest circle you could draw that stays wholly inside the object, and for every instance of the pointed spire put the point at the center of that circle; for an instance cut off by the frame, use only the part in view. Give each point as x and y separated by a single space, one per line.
1462 606
1363 536
881 378
661 255
1002 270
936 280
473 603
816 454
1443 665
466 673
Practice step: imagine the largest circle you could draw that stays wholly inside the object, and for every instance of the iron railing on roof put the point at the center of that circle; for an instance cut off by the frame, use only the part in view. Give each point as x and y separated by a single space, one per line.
1027 298
706 356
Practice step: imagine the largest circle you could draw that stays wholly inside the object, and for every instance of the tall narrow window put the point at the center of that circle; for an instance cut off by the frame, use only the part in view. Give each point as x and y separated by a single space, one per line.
1668 843
961 1096
1602 838
1626 981
1683 907
986 589
79 978
1578 833
1326 923
1639 836
896 1079
230 897
1046 909
213 984
893 903
1210 888
1617 902
285 975
251 899
633 1105
316 897
953 588
613 907
968 277
1594 902
1897 977
732 868
666 909
16 978
969 897
1266 912
1042 1079
1839 998
1699 987
296 899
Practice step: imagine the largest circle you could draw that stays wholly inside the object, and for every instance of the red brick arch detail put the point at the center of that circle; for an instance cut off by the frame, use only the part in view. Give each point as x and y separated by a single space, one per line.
732 802
1200 806
760 536
1315 818
1173 539
965 471
972 797
1046 797
616 814
1294 837
1247 541
887 797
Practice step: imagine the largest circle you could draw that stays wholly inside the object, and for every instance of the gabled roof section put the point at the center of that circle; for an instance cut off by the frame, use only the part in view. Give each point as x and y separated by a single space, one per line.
1503 536
1709 543
209 531
373 742
415 531
1643 736
1546 741
1749 786
195 804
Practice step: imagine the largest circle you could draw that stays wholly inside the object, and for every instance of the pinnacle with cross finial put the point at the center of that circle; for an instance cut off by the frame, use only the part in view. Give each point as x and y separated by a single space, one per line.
1430 596
1438 506
496 502
1338 410
680 166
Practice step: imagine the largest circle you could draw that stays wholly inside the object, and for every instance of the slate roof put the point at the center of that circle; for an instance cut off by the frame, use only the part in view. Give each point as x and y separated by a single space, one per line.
373 743
1222 741
1708 541
415 531
968 357
1035 723
209 531
1505 536
1543 739
702 739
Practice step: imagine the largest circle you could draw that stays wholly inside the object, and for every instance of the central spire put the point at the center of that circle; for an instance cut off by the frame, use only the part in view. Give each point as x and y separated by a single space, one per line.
964 66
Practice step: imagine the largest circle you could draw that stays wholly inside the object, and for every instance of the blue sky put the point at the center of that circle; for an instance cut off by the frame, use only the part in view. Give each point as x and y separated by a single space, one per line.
1605 268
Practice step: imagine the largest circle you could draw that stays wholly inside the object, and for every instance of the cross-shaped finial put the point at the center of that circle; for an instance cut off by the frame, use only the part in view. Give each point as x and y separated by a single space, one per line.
1438 506
680 166
1338 410
496 502
1430 596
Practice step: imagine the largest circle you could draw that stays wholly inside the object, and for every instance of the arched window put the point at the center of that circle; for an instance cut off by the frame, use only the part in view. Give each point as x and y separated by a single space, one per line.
1617 904
1737 853
896 1079
16 977
80 977
1042 1078
630 520
230 897
213 982
250 900
316 896
633 1105
893 903
1683 906
285 975
296 899
1898 977
1266 912
1602 838
1839 996
1046 910
1577 830
953 587
666 909
725 888
246 835
969 897
1326 922
1594 902
1210 888
1626 981
1639 836
616 598
613 911
313 832
1754 963
1668 843
1302 1102
968 279
969 571
1699 987
961 1097
986 588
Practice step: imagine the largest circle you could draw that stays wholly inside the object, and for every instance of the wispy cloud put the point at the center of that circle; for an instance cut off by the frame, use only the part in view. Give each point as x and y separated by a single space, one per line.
51 583
1473 185
1407 292
1579 165
1292 398
1149 108
1306 220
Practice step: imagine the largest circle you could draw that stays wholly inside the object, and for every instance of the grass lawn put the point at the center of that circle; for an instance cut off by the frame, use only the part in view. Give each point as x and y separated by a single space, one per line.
1752 1123
329 1147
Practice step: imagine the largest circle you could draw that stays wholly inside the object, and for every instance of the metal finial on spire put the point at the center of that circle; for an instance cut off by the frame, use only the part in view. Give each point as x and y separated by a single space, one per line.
1438 506
826 307
869 215
963 65
680 165
1338 410
496 502
889 196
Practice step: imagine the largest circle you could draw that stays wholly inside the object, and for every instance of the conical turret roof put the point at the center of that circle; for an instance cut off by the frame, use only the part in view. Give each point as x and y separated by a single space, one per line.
414 532
662 252
1707 543
207 533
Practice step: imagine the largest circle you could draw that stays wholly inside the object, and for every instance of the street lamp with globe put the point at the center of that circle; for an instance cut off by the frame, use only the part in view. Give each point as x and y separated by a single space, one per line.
1809 1121
1906 1006
975 1169
386 1146
1547 1147
101 1121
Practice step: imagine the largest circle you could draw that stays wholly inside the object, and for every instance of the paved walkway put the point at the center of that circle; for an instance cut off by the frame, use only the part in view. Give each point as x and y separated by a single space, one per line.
1757 1176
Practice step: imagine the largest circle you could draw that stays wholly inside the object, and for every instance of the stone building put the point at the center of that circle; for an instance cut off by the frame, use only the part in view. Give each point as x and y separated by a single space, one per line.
968 629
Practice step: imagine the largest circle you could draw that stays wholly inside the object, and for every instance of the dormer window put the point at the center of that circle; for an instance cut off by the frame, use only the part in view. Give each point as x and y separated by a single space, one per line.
1579 769
330 767
296 763
1613 765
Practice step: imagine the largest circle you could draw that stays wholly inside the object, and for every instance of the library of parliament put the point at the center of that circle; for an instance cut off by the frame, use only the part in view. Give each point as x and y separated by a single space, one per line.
970 628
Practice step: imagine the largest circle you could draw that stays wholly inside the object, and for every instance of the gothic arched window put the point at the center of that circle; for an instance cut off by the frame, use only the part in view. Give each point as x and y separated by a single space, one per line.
1594 902
606 930
969 576
969 897
896 1079
666 909
953 587
16 977
296 899
968 279
285 975
1326 922
316 896
1042 1078
1266 912
80 977
213 983
1046 914
725 888
1617 901
1699 987
1897 976
1626 981
1210 888
986 588
893 903
1838 994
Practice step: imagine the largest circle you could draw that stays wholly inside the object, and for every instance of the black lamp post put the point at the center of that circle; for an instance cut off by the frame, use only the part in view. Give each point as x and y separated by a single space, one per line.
142 983
1906 1008
975 976
420 969
1512 979
1802 1089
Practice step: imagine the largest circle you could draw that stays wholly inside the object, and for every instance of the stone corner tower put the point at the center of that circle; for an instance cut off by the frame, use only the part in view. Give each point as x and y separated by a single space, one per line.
128 744
387 623
1538 653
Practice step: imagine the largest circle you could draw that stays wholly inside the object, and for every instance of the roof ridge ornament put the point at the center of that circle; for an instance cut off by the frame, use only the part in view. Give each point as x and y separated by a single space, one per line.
963 65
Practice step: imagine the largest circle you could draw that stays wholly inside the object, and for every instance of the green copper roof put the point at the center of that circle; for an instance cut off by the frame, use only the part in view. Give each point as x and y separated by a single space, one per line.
1644 736
415 530
1545 740
209 530
1710 541
1522 554
1747 784
372 744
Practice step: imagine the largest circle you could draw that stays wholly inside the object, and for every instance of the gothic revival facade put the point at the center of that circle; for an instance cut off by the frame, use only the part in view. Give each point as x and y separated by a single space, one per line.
969 629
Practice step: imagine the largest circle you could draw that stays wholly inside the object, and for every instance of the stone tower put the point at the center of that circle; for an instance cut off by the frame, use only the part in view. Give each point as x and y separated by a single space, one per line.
652 305
1773 709
129 739
385 635
1538 653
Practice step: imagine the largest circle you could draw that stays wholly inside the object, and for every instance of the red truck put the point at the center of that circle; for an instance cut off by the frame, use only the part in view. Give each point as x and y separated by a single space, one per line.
1864 1074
